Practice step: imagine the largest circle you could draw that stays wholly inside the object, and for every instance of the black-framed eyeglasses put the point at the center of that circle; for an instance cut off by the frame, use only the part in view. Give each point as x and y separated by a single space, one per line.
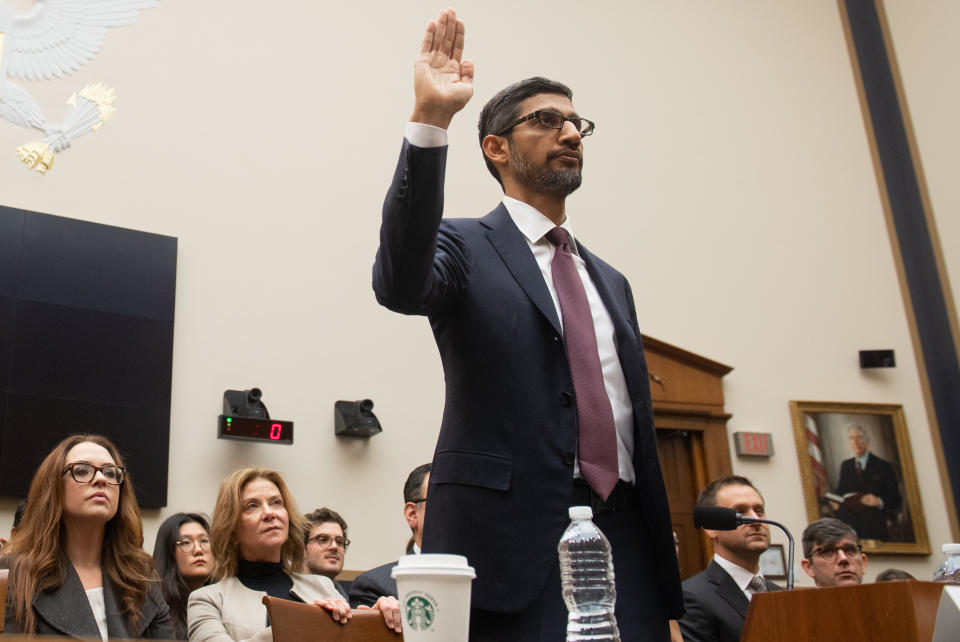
325 541
418 501
83 472
187 545
549 119
829 553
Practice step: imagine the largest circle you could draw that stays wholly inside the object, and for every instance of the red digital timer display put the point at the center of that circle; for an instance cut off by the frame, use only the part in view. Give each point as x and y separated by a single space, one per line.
264 430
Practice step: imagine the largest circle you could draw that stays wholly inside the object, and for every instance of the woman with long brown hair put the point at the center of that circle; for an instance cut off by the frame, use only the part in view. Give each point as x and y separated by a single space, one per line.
258 550
78 565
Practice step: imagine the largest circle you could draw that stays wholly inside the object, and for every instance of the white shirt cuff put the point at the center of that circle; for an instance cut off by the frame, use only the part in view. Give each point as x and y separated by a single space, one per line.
423 135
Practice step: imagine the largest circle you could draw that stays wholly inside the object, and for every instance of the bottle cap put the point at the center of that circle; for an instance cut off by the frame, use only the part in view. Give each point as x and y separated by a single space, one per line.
580 512
951 548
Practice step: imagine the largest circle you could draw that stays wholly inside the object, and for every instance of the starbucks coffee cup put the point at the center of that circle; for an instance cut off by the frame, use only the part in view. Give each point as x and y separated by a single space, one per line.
434 594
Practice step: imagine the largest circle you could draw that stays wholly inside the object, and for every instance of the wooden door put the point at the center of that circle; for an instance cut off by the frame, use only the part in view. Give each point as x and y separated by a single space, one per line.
676 451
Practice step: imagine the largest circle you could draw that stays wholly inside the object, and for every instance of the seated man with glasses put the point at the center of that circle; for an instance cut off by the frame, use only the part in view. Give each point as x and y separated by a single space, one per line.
831 554
327 545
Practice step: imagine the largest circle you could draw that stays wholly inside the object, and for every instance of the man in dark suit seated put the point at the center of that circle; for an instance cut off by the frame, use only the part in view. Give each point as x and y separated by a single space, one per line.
716 600
873 482
326 545
368 587
831 554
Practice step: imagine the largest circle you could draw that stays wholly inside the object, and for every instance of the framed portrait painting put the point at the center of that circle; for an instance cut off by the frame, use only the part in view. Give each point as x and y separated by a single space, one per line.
856 465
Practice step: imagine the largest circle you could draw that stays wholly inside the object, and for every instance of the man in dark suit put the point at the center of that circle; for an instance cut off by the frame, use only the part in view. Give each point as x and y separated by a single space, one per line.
547 393
876 482
368 587
716 599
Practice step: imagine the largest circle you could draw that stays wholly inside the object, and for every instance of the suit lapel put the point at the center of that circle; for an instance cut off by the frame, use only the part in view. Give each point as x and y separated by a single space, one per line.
728 590
512 247
621 325
67 608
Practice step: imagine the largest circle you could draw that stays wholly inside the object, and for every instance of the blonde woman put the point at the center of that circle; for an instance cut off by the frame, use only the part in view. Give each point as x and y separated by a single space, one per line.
258 537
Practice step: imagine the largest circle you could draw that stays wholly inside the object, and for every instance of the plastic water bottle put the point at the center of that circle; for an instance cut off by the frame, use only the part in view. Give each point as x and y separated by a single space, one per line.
586 573
949 570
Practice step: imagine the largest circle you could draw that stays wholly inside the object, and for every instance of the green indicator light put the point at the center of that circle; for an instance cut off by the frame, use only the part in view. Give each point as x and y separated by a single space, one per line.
229 420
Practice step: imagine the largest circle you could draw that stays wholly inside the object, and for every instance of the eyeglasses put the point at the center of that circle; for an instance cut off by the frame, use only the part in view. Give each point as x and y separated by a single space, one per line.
549 119
83 472
188 545
325 541
829 553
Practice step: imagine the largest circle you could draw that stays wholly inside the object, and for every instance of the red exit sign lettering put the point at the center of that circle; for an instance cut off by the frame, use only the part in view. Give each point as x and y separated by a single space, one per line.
753 444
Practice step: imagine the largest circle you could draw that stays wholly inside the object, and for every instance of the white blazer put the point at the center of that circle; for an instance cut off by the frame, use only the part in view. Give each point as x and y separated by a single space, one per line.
230 612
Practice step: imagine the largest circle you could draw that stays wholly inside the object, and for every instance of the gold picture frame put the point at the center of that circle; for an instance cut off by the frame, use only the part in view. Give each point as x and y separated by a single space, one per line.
829 436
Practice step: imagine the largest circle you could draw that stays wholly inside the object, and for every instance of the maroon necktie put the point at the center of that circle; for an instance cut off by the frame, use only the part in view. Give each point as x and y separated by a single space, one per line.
597 441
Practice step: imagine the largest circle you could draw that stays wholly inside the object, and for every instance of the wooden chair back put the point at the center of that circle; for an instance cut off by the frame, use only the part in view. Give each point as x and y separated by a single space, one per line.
297 622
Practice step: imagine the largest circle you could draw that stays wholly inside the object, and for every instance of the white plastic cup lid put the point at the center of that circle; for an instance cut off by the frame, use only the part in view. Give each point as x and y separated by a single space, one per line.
951 548
433 564
580 512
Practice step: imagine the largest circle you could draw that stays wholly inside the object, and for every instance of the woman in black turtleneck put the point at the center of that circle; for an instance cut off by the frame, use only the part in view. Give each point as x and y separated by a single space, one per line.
257 547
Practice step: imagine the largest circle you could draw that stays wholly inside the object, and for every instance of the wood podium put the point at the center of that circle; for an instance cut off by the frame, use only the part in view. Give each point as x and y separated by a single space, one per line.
905 611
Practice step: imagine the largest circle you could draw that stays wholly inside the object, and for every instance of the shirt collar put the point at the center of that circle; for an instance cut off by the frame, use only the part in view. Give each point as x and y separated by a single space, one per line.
532 224
863 460
740 575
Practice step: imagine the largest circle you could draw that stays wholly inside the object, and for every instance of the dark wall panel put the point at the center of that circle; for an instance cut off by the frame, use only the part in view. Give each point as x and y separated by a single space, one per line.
36 424
90 355
86 344
98 267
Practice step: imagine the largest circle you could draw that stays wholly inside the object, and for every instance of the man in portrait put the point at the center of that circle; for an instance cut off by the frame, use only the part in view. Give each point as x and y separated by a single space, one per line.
868 488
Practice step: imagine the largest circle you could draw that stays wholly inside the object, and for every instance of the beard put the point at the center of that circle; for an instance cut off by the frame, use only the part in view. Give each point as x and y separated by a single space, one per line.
552 182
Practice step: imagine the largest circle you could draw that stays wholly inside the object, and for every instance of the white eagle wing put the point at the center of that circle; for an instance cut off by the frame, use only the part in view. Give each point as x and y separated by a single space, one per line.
58 36
17 106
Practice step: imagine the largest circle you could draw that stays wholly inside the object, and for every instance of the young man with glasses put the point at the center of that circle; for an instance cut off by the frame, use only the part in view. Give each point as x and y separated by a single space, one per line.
327 545
832 555
547 393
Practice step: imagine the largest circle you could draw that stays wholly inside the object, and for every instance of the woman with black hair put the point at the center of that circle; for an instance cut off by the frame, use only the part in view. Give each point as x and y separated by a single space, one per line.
184 561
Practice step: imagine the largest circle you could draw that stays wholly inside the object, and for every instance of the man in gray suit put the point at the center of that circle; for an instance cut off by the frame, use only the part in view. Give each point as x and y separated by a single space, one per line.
377 582
716 600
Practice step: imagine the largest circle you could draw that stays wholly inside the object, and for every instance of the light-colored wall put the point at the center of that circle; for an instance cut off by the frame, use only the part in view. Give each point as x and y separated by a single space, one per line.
730 179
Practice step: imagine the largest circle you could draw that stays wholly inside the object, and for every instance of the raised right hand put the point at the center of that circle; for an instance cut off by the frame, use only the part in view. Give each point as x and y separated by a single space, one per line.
442 82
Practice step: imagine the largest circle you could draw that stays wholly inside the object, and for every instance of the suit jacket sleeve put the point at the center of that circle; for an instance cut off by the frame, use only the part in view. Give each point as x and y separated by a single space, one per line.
419 266
369 587
699 622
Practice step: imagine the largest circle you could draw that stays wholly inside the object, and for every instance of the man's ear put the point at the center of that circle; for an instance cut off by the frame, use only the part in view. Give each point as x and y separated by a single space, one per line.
410 514
806 566
496 148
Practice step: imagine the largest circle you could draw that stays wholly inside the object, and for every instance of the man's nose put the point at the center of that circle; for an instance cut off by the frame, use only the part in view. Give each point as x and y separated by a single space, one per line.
569 132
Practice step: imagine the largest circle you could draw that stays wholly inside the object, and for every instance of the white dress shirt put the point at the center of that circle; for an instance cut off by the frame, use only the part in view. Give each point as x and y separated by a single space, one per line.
534 226
741 576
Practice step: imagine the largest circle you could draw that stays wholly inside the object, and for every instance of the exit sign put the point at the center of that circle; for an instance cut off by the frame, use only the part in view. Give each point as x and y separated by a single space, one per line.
753 444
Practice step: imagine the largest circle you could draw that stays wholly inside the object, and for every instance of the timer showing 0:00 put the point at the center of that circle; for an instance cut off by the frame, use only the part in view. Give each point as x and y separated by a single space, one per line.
263 430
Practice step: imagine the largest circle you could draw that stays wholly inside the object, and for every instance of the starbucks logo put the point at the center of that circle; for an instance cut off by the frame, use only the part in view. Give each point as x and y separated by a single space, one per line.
420 612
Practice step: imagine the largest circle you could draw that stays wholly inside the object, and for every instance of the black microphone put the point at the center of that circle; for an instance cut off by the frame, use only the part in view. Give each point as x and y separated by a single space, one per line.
718 518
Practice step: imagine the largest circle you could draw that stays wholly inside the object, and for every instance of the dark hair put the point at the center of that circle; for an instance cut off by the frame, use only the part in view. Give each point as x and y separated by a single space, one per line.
892 574
18 515
708 496
175 589
825 531
504 108
322 516
411 489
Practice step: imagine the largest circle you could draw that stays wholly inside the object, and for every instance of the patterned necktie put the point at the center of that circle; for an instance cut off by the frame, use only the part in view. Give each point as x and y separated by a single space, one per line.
597 439
859 469
757 585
